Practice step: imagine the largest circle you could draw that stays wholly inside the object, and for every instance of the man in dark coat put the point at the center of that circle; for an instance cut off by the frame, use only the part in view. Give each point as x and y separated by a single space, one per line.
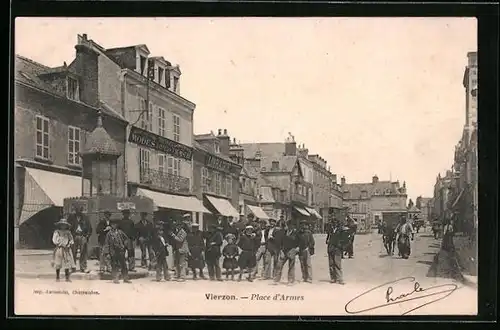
81 229
102 229
128 227
115 246
196 245
288 253
213 244
145 232
261 246
334 242
306 250
275 234
353 227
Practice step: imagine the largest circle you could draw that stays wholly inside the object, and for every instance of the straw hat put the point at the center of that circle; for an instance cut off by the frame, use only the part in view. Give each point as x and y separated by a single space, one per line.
62 222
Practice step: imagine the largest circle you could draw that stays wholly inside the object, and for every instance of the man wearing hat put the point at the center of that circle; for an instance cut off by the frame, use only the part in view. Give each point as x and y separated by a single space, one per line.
334 243
115 246
102 229
196 245
306 250
81 229
128 227
261 238
289 250
274 236
213 244
145 232
180 249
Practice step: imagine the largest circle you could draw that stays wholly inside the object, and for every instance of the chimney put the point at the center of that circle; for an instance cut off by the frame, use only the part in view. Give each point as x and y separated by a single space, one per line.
342 181
290 148
334 178
220 132
87 66
224 141
375 179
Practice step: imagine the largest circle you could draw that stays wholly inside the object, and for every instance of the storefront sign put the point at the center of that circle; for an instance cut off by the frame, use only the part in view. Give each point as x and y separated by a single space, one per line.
125 206
220 164
159 143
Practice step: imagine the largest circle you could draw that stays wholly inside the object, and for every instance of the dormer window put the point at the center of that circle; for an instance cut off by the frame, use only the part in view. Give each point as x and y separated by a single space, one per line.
142 63
72 89
167 78
160 76
176 85
275 166
217 148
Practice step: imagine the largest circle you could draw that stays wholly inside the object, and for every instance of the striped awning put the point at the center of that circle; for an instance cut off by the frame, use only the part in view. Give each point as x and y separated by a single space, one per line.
302 211
223 207
314 212
258 212
175 202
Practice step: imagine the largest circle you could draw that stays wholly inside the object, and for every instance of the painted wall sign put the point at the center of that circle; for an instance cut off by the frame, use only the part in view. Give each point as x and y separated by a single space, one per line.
220 164
159 143
125 205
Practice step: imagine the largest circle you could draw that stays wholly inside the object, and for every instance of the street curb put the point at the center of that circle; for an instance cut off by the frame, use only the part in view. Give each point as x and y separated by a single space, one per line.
80 276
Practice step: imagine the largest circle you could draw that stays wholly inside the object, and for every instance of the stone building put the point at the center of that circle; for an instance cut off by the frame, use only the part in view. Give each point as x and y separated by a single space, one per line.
216 177
442 196
367 201
145 91
56 109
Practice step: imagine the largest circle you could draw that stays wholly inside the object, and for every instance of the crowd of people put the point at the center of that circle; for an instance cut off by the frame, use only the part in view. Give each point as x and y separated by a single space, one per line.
399 235
237 247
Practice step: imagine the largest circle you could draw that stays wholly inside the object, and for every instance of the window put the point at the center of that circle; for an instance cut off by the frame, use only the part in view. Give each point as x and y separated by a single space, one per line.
229 186
143 114
161 163
205 179
160 76
217 183
177 128
355 208
72 90
144 160
173 166
223 185
176 84
149 117
161 122
143 62
217 148
73 145
167 78
275 166
42 137
363 208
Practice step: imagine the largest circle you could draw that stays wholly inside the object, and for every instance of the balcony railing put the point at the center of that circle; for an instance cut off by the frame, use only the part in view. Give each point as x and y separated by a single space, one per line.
165 181
299 198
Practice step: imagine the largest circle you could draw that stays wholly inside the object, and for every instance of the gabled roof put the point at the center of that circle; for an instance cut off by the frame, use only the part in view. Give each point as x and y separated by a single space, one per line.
286 163
265 149
354 190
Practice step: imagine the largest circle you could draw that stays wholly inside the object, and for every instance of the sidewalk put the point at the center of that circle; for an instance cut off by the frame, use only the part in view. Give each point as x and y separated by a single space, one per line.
466 253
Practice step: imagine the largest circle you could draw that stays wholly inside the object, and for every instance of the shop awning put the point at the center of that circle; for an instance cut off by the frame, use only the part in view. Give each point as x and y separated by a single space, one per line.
168 201
302 211
258 212
44 189
458 198
223 207
314 212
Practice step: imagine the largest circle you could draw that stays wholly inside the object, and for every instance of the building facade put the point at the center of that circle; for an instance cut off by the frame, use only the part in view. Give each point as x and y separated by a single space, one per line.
216 178
367 202
145 90
56 109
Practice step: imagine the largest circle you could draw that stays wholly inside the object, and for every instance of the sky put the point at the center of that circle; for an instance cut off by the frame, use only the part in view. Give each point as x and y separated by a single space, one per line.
372 96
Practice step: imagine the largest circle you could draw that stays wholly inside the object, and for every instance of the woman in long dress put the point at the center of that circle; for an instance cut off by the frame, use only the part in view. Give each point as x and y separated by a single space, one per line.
63 255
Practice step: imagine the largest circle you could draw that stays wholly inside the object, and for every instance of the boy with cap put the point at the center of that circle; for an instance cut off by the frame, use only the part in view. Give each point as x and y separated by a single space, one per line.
81 229
160 247
115 246
181 250
102 229
196 245
247 260
213 245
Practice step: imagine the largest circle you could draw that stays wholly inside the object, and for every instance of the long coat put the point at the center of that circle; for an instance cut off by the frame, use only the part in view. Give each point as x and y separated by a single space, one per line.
85 226
196 246
213 244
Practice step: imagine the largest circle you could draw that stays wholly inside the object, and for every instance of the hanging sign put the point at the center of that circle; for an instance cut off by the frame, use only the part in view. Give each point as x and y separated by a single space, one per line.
159 143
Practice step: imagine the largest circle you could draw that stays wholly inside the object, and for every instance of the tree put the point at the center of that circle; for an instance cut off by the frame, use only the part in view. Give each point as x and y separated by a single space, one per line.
418 202
410 204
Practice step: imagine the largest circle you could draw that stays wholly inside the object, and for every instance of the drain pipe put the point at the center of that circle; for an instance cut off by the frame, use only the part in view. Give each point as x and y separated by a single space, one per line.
123 73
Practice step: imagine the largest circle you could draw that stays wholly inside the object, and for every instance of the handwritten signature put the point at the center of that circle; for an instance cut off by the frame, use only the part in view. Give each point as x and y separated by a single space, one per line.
438 292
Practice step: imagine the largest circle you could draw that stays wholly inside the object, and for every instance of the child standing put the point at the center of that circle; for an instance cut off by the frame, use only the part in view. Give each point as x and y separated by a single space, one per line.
160 248
63 255
230 252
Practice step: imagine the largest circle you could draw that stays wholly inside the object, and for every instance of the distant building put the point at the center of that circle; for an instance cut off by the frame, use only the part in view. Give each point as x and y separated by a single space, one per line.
425 204
216 177
442 196
367 201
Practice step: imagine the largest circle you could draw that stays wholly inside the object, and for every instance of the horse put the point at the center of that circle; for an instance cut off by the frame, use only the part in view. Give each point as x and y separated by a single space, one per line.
389 240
